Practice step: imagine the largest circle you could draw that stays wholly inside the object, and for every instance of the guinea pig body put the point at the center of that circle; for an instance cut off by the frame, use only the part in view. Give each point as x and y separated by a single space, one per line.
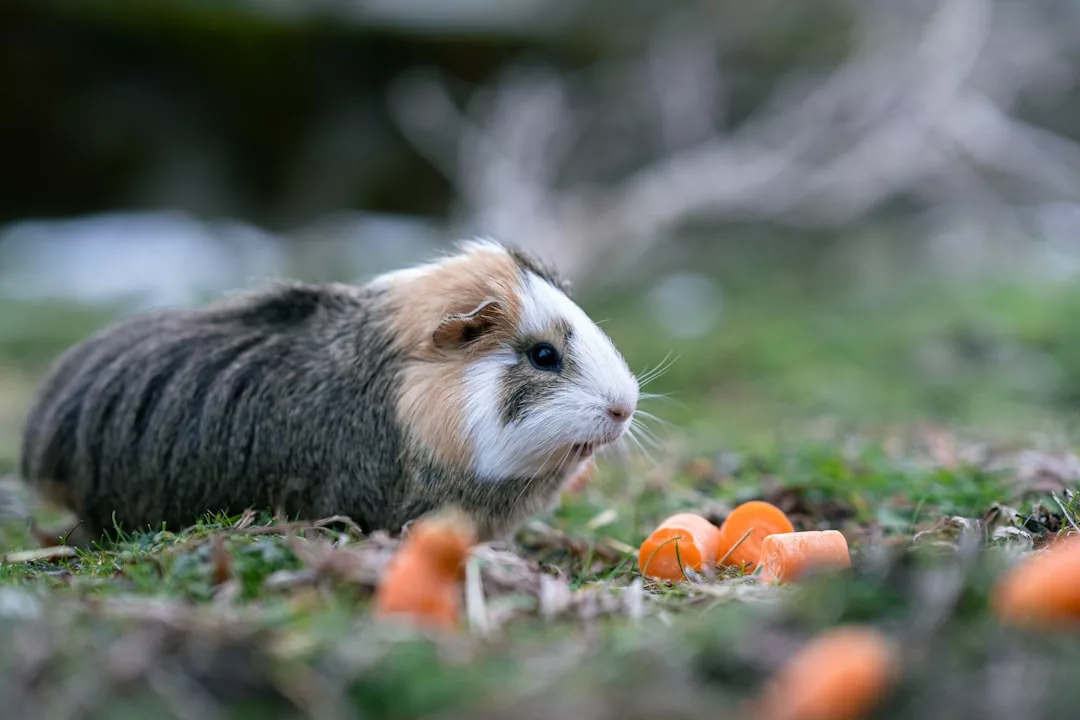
474 380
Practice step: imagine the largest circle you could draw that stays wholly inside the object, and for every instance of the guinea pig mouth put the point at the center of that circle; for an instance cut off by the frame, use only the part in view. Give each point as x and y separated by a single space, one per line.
585 449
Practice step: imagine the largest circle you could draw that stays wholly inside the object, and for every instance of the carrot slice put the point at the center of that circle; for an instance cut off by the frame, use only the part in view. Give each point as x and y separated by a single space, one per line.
758 518
682 540
841 674
1042 590
421 583
786 556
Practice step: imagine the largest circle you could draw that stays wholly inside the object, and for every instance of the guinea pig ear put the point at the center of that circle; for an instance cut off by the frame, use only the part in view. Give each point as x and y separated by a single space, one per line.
461 328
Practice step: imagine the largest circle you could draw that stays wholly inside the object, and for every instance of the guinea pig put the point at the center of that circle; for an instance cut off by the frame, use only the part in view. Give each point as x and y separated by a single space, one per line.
474 380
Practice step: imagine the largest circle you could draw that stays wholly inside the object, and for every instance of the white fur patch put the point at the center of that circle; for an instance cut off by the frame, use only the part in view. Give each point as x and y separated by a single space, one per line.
409 274
404 275
607 378
576 414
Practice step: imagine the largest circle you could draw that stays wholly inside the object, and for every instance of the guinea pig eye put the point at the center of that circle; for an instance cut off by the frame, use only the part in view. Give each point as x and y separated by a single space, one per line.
544 357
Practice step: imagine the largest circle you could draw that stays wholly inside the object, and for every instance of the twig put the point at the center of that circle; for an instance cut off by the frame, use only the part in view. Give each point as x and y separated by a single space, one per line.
738 542
291 527
475 607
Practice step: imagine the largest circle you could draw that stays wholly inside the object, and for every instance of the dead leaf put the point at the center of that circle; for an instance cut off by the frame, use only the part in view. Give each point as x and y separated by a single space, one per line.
221 562
1014 535
55 552
475 602
288 528
1042 474
605 517
618 545
227 592
540 537
286 579
361 564
1001 516
1043 523
245 521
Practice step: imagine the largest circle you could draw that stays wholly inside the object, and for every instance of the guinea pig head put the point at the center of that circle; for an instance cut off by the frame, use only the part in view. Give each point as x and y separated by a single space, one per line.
531 382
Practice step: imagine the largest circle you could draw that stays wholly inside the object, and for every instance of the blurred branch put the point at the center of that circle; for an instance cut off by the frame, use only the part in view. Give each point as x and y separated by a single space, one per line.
909 107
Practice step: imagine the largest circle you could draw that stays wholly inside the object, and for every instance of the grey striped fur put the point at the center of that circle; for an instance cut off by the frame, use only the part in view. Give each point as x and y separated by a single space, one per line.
284 398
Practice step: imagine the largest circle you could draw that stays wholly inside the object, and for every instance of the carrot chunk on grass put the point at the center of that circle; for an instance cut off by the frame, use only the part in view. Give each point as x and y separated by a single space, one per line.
755 520
1042 590
786 556
422 582
842 674
682 540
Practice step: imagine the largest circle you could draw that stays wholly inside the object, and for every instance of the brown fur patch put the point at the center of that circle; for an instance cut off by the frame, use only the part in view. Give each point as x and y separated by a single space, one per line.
432 400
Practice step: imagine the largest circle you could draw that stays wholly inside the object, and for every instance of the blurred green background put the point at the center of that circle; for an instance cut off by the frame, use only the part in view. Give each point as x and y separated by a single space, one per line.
823 216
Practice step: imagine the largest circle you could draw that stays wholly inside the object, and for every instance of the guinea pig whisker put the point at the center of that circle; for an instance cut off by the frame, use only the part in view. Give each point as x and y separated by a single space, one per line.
645 453
563 457
647 444
664 366
623 446
540 469
654 396
647 435
641 419
650 416
650 375
659 364
632 436
668 396
544 465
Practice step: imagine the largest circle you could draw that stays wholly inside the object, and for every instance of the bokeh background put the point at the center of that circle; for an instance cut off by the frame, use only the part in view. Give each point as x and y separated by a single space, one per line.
817 222
819 215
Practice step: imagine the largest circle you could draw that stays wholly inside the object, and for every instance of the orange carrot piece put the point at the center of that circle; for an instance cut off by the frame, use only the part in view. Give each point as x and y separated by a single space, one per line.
1042 590
841 674
786 556
760 519
682 540
422 580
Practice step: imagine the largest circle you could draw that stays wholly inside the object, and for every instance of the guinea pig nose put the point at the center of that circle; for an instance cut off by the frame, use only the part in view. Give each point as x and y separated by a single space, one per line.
619 412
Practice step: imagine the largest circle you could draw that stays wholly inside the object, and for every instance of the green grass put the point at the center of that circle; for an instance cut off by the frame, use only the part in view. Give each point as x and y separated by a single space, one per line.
836 410
298 612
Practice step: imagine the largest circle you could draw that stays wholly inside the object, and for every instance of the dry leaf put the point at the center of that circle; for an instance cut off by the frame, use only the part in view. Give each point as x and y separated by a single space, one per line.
361 564
221 561
56 552
245 520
